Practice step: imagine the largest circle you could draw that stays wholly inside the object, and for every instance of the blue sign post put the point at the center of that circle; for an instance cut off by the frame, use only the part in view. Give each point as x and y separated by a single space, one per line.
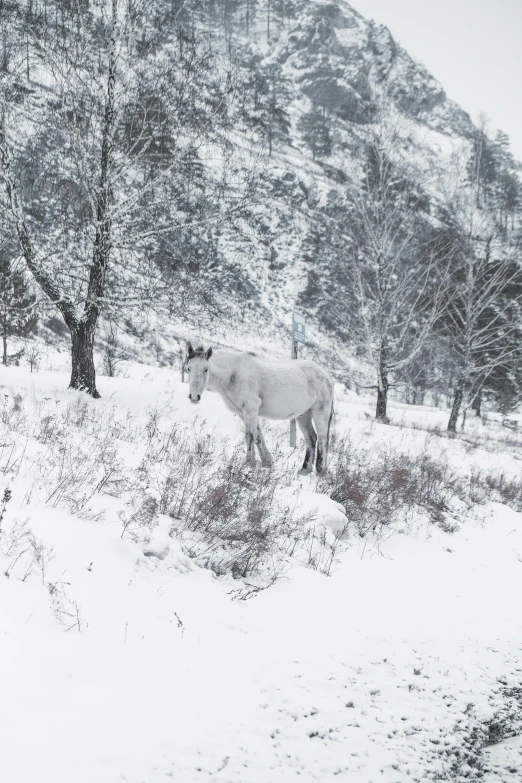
298 336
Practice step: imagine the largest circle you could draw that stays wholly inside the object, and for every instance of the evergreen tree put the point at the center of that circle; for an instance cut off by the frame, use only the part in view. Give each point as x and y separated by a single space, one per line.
18 316
483 167
266 94
315 130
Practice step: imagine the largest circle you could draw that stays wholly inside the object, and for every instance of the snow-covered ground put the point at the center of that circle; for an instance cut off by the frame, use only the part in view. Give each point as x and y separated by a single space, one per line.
123 659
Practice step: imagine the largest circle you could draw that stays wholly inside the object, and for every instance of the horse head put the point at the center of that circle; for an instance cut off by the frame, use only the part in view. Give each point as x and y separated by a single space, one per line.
197 368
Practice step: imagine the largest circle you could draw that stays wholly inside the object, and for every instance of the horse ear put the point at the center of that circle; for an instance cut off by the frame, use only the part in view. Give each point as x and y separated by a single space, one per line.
190 351
209 353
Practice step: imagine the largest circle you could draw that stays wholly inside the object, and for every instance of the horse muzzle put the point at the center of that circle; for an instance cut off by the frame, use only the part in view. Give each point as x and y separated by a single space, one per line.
194 402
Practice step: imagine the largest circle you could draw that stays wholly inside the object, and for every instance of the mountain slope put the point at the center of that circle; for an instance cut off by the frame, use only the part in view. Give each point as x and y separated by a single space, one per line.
249 138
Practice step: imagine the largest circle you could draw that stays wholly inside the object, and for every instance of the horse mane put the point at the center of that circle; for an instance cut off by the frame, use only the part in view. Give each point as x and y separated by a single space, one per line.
199 352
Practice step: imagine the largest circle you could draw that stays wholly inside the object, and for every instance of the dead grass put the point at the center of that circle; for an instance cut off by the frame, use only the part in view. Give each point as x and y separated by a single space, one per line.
234 520
386 489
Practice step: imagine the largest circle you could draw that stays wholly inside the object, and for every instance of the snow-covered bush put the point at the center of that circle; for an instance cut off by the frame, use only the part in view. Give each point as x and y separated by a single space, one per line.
230 519
385 489
498 486
65 452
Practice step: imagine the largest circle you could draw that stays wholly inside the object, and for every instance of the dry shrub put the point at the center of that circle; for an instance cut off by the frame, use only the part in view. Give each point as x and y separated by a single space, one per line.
65 609
73 469
73 455
240 523
499 487
12 411
323 547
383 488
232 519
176 463
27 554
6 497
139 518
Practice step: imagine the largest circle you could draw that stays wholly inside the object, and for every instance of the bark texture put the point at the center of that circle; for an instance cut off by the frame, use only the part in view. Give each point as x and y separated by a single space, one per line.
83 374
455 408
383 385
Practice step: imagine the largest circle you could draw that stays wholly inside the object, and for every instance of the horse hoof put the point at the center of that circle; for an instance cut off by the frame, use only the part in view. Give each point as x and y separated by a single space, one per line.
304 472
267 465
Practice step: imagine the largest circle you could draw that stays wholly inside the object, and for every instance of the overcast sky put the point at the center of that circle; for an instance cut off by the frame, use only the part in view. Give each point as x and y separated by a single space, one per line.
472 47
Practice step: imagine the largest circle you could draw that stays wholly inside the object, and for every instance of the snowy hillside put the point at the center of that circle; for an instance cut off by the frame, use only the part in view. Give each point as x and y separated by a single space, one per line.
200 170
131 654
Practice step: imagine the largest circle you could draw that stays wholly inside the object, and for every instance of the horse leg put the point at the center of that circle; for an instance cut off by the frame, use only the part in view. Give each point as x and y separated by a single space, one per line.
321 419
250 415
266 459
306 427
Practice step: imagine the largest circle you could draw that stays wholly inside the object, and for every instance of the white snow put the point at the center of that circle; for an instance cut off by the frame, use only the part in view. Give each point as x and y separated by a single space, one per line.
125 660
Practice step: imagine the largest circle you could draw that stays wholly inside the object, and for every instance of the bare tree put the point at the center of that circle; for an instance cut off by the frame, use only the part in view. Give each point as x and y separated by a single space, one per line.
119 210
80 321
33 356
113 352
397 268
483 317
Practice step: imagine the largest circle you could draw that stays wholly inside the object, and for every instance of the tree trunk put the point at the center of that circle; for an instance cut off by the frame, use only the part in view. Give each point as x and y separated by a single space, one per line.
381 411
455 410
82 334
477 403
4 358
83 374
382 403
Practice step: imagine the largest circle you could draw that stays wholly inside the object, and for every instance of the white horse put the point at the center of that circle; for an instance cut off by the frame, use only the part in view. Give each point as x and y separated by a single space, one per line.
254 387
